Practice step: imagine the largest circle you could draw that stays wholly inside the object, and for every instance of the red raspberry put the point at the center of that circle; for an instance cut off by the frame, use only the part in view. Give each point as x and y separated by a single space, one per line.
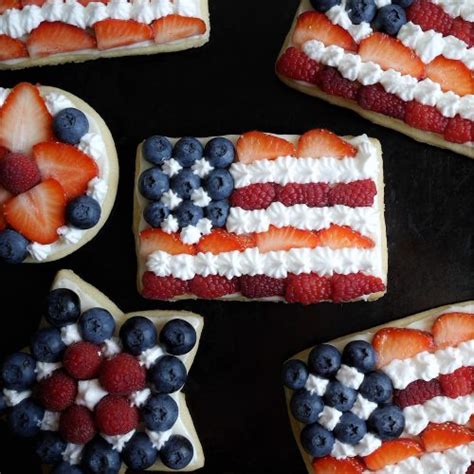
114 415
417 392
429 16
122 374
459 383
18 173
359 193
3 152
295 64
425 117
312 194
57 392
331 82
213 286
459 130
254 196
377 99
464 30
307 288
471 469
82 360
163 288
76 425
261 286
352 286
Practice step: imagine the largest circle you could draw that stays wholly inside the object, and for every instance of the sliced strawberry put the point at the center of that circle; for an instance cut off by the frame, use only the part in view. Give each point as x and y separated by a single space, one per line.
86 2
451 75
452 328
400 343
330 465
113 33
175 27
219 240
313 25
439 437
152 240
8 4
392 452
24 119
11 48
285 238
253 146
68 165
470 423
38 3
390 53
57 37
339 237
319 142
4 197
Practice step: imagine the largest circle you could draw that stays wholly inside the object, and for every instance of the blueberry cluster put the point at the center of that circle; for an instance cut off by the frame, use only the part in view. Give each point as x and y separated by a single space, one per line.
341 397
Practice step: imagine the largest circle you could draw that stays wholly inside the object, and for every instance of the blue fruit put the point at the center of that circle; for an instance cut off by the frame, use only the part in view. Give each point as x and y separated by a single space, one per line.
139 453
83 212
3 403
66 468
361 10
340 396
160 412
98 457
403 3
63 307
184 183
350 429
153 183
390 19
157 149
96 325
13 246
294 374
359 354
138 334
177 452
219 184
220 152
70 125
49 447
324 360
187 150
324 5
25 418
387 422
155 213
305 406
47 345
217 212
188 213
168 374
178 337
316 440
376 387
18 371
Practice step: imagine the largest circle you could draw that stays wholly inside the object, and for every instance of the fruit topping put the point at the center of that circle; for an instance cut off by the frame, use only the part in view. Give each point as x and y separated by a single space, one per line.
18 371
168 374
338 237
306 406
387 422
307 288
459 130
330 465
261 286
114 415
96 325
152 240
49 447
285 238
163 288
113 33
138 334
18 173
57 392
361 11
178 337
390 18
160 412
425 117
11 48
430 17
99 453
311 194
183 184
219 184
319 143
253 146
376 387
324 360
122 374
13 246
219 240
76 425
188 213
139 453
339 396
47 345
332 82
375 98
157 149
439 437
82 360
417 393
217 212
316 440
25 418
176 27
359 354
220 152
63 307
155 213
70 125
153 183
177 453
451 74
213 286
295 64
392 452
451 329
458 383
294 374
350 429
354 285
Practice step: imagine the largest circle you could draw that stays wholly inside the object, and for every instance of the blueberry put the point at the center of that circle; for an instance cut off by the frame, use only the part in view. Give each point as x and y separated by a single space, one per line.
403 3
217 212
139 453
188 213
294 374
160 412
66 468
153 183
13 246
390 19
96 325
361 10
157 149
3 403
178 337
138 334
168 374
184 183
387 422
324 5
25 418
83 212
70 125
177 453
359 354
305 406
219 184
49 447
63 307
155 213
350 429
47 345
324 360
316 440
187 150
340 396
377 387
98 457
18 371
220 152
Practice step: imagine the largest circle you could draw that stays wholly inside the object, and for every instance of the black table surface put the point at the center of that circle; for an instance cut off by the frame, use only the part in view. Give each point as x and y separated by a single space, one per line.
229 86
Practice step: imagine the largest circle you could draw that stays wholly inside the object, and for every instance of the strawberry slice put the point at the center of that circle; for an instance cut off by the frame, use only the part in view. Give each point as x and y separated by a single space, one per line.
4 197
470 423
312 25
390 53
68 165
113 33
452 328
24 119
219 240
38 3
11 48
253 146
86 2
339 237
8 4
38 213
400 343
330 465
451 75
439 437
392 452
285 238
152 240
175 27
319 142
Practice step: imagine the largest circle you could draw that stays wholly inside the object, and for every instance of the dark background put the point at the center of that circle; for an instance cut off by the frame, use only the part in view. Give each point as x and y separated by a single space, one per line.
229 86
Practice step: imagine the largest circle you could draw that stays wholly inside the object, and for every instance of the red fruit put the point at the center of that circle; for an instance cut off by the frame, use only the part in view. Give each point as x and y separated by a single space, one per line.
319 143
57 37
175 27
375 98
152 240
86 2
253 146
470 469
339 237
18 173
307 288
459 383
353 286
312 25
470 423
391 53
3 152
439 437
163 288
450 329
57 392
122 374
417 392
8 4
24 119
400 343
219 240
392 452
359 193
295 64
452 75
330 465
68 165
38 3
429 17
112 33
76 425
285 238
311 194
261 286
4 197
82 360
459 130
114 415
213 286
254 196
425 117
331 82
463 30
11 48
38 213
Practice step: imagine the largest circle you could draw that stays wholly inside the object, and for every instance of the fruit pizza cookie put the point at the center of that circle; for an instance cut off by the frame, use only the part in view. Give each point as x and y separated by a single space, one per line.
404 64
99 390
261 217
42 32
397 399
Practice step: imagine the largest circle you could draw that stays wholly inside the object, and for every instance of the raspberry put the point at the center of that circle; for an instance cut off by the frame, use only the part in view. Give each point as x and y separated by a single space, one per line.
459 130
429 16
463 30
307 288
122 374
359 193
114 415
417 392
331 82
82 360
471 469
76 425
18 173
425 117
213 286
459 383
254 196
354 285
163 288
296 65
57 392
375 98
261 286
312 194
